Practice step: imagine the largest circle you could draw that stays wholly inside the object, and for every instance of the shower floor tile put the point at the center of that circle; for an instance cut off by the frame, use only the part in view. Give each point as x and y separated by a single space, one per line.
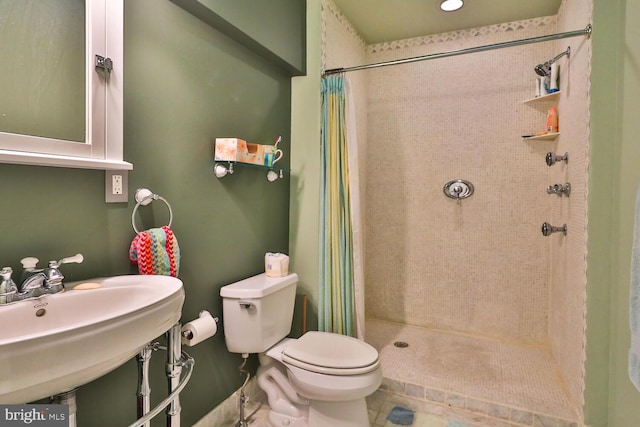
463 371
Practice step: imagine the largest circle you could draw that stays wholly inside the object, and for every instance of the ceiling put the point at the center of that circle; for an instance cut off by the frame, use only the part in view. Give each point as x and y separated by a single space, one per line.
380 21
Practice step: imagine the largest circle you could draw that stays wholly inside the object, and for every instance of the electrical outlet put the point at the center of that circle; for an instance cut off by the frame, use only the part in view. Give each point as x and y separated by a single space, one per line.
116 184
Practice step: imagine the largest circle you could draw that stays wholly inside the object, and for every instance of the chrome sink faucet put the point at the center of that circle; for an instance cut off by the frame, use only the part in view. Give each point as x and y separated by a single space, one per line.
32 286
36 282
31 280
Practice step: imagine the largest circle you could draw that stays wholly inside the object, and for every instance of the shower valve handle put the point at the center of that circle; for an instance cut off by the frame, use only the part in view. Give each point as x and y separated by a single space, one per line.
548 229
559 189
552 158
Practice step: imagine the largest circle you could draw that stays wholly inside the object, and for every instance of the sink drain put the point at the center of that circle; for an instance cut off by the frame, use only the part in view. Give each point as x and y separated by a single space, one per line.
401 344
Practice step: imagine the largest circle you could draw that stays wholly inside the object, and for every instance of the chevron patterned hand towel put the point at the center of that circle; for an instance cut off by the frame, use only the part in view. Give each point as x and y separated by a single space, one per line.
156 251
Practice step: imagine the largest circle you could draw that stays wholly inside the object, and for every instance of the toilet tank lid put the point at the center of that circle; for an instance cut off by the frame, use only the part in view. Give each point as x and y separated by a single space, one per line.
257 286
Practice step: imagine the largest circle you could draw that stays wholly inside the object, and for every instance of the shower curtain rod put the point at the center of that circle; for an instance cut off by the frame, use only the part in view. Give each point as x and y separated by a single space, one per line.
586 32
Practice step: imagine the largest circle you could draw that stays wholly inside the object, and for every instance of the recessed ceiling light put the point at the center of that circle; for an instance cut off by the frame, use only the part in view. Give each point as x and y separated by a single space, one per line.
451 5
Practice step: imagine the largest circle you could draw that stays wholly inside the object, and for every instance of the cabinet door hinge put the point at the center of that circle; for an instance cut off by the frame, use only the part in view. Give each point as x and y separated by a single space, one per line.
103 63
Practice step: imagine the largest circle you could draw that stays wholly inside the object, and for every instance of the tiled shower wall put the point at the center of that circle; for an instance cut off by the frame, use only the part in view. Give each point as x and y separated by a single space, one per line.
483 266
568 264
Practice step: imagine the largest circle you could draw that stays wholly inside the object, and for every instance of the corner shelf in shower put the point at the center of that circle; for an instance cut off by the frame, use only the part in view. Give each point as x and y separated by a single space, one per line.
545 98
545 137
550 97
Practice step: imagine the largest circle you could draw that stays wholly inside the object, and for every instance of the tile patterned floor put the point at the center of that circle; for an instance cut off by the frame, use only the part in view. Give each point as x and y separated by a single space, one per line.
449 380
425 414
431 414
504 380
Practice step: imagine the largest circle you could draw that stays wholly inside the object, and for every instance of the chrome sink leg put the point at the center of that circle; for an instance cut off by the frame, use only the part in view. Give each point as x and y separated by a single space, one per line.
67 398
144 389
174 370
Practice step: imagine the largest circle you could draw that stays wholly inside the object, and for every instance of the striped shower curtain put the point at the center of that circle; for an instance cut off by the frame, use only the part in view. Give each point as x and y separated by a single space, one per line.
341 300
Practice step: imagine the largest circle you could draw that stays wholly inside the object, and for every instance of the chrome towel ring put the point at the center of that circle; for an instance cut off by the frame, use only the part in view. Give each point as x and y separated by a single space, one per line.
143 197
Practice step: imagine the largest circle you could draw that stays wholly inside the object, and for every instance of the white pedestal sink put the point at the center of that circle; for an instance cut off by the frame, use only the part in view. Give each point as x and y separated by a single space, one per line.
56 343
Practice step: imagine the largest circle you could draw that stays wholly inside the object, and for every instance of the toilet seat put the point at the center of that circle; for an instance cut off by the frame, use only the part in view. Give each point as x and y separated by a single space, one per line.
331 354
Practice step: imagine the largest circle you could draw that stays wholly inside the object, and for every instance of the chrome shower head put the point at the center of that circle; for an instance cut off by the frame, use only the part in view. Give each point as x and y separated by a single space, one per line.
541 70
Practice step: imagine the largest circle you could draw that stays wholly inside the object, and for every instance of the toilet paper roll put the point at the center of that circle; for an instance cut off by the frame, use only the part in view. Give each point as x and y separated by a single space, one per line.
199 329
276 264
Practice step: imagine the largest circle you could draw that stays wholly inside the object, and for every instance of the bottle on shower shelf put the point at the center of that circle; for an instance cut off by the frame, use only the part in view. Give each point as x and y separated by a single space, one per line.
552 120
554 78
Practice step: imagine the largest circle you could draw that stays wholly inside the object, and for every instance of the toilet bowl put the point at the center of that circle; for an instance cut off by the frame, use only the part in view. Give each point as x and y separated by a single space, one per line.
320 379
329 367
333 382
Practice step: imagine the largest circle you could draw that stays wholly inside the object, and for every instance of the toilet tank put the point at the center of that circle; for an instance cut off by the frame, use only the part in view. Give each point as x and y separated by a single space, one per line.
257 312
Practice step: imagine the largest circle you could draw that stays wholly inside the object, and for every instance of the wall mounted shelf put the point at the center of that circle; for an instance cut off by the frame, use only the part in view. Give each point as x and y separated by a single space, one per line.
550 97
545 137
544 98
224 168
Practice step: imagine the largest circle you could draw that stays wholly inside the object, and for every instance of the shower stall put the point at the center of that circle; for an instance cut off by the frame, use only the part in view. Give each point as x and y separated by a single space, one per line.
469 304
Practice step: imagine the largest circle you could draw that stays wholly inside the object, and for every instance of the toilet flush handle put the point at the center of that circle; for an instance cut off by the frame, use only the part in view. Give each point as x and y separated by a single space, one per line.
247 304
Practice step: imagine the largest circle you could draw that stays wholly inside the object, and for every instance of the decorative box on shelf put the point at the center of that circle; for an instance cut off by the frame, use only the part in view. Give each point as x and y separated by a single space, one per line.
233 151
238 150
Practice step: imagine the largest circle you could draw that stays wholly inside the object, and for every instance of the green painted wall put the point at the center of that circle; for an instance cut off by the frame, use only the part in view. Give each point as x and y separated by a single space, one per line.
275 24
185 84
614 177
625 408
305 162
604 130
273 29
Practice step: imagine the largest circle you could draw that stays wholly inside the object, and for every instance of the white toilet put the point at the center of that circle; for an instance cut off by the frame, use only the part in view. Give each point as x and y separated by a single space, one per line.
318 380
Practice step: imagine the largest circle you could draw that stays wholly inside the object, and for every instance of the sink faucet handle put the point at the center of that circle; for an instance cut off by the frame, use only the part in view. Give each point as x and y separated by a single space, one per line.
6 273
8 288
29 263
54 276
77 258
